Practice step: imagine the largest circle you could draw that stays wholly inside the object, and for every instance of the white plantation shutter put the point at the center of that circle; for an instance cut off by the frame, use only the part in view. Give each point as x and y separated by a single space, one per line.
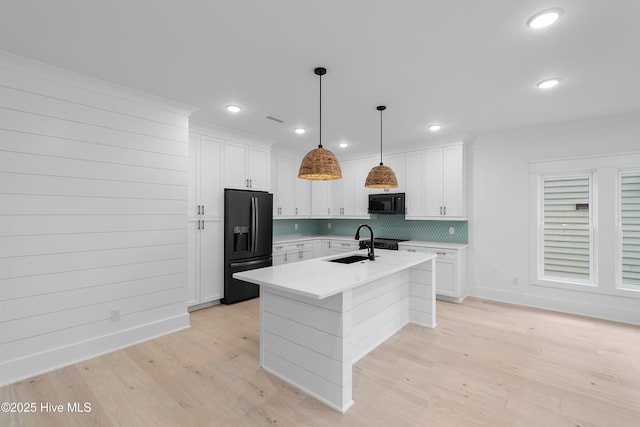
567 227
630 228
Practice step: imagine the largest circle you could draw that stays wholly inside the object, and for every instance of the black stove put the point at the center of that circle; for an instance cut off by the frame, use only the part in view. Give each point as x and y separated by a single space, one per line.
391 244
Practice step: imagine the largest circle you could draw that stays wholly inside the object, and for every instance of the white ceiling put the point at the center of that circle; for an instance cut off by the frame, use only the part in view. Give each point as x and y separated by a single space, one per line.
468 64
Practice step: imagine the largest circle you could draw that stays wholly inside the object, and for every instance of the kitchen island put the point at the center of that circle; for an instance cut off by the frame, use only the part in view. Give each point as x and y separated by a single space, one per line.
318 318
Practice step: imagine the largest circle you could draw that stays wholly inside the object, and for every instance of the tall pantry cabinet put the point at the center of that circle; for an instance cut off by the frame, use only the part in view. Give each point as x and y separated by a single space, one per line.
205 220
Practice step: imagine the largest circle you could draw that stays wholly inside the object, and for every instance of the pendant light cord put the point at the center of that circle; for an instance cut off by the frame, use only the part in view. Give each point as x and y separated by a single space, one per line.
320 145
381 137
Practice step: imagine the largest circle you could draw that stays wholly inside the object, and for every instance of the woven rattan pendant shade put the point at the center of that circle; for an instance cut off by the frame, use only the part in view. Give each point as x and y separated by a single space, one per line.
320 164
381 176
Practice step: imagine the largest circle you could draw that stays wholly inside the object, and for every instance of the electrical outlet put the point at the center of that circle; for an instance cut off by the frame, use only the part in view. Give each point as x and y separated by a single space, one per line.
115 314
329 225
295 226
452 230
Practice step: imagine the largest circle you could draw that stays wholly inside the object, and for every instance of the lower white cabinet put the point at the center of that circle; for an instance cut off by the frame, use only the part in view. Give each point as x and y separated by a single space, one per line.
205 269
284 253
332 247
451 267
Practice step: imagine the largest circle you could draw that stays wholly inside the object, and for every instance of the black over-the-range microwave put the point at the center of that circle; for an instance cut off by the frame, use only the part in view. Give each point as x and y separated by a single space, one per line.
389 203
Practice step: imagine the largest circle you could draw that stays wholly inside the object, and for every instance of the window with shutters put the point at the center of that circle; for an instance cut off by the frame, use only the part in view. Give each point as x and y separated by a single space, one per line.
565 237
629 231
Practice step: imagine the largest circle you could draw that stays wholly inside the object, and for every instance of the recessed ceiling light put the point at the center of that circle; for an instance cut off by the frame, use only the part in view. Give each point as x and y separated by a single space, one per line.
435 127
343 145
544 19
548 83
300 131
233 108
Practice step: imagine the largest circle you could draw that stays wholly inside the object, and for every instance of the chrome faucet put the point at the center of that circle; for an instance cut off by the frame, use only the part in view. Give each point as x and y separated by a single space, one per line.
370 253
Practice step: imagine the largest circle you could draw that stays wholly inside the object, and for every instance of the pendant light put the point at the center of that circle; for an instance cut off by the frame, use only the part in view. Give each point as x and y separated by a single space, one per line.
381 176
320 164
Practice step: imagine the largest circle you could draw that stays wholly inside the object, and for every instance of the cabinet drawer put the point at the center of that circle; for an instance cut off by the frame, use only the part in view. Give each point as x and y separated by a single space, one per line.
451 254
414 249
336 244
289 247
279 248
303 246
299 255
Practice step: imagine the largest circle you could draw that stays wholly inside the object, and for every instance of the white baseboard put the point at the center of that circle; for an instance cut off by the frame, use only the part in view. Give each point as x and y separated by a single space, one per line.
573 306
27 367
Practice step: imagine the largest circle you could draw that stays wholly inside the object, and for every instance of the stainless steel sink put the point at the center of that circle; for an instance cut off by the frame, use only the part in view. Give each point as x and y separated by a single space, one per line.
349 259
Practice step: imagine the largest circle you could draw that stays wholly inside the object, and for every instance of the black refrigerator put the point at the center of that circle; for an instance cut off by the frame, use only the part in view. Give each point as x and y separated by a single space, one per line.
248 220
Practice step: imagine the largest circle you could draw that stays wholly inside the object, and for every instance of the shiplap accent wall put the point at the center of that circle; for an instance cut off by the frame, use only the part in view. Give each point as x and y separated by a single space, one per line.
93 209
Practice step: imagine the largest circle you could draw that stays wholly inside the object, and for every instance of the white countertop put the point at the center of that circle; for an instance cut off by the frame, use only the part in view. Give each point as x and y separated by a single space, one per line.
319 278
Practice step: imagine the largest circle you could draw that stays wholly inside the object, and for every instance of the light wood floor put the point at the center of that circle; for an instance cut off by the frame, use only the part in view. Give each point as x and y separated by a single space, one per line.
486 364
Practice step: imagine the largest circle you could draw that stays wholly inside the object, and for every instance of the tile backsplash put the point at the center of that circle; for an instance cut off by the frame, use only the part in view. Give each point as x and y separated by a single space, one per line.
390 226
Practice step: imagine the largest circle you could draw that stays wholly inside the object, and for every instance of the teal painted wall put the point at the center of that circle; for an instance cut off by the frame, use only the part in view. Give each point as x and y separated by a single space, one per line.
391 226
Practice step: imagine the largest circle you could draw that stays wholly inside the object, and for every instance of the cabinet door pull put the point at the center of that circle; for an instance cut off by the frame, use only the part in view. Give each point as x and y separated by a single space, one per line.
202 209
329 211
198 225
296 211
441 253
440 210
445 210
203 224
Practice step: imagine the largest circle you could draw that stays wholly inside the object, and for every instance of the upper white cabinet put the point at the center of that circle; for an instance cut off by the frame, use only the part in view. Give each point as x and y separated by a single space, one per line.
432 179
246 166
291 194
321 199
415 184
396 163
350 198
435 183
205 177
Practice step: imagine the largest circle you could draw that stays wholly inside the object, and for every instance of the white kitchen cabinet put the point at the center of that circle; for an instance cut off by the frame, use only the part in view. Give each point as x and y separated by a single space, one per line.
205 220
302 194
283 187
350 198
444 181
321 199
360 193
285 253
205 272
291 194
246 166
435 183
415 184
205 195
396 163
451 267
340 246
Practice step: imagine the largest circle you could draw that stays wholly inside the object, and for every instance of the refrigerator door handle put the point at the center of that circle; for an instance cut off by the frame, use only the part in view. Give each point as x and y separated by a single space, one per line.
257 216
253 225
